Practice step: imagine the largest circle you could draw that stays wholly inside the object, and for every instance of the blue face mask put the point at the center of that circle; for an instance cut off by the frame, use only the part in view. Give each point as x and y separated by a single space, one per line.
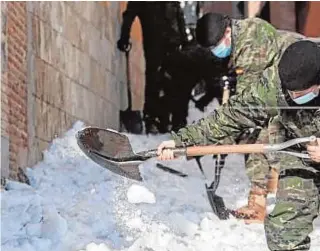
305 98
221 51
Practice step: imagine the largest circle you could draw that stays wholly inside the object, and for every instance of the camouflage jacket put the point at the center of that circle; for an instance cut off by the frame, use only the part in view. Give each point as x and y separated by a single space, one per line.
259 98
252 108
256 45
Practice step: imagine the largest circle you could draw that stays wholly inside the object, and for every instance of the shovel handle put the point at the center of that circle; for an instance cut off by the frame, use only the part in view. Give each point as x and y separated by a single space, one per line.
193 151
226 95
177 152
224 149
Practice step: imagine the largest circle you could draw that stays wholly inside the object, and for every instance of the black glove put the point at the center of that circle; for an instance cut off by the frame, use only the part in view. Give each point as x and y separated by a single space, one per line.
123 44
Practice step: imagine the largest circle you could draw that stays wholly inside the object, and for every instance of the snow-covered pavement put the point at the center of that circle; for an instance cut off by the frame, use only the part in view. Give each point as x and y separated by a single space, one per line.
73 204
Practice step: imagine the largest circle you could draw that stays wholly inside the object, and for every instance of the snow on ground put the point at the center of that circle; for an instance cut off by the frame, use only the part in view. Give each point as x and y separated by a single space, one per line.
73 204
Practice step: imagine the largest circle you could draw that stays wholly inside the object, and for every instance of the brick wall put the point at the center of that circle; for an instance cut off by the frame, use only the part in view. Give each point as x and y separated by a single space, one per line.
14 85
61 65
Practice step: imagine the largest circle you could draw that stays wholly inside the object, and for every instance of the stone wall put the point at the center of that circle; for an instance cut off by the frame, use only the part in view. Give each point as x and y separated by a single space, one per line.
62 65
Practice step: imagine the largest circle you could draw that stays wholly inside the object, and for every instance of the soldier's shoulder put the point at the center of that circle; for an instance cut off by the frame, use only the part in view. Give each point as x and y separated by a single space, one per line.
255 21
257 26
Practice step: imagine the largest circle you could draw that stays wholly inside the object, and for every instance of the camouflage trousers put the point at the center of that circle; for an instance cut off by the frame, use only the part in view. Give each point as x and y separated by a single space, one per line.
288 226
258 166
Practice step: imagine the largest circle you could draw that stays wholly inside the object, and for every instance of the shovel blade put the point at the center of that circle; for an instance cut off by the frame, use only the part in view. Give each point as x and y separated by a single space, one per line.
128 169
217 205
106 142
107 148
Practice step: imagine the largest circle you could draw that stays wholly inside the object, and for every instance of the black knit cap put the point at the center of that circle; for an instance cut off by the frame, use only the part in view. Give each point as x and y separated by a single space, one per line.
299 67
210 28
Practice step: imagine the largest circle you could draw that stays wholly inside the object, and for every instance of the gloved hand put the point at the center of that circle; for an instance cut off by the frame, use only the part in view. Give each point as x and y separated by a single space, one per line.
123 44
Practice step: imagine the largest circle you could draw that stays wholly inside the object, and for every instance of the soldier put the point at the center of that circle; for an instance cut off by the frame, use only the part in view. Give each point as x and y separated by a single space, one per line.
163 32
290 93
253 45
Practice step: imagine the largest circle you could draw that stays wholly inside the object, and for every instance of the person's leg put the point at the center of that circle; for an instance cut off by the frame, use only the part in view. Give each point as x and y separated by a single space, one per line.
262 173
177 94
288 226
152 91
164 107
276 135
180 104
257 168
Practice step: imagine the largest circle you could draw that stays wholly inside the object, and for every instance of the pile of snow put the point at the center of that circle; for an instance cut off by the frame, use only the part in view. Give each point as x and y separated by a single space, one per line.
74 204
140 194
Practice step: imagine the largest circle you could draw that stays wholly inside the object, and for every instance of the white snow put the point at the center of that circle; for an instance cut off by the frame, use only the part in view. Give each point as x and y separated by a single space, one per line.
139 194
73 204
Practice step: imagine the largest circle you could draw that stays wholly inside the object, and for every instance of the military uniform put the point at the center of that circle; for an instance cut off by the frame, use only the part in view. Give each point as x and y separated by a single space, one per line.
289 224
256 45
248 55
163 31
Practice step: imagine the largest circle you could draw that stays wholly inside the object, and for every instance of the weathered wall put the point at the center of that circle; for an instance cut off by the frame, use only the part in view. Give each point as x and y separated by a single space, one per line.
62 65
14 133
78 72
312 21
282 14
224 7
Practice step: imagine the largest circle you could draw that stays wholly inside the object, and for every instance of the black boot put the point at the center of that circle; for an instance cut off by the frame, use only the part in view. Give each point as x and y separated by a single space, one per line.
131 121
151 125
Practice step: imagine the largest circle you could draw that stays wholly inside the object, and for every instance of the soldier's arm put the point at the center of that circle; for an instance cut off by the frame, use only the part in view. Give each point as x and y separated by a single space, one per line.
251 108
128 17
258 51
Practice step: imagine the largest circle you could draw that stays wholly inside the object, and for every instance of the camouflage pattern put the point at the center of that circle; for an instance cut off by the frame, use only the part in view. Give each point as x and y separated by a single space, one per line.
262 103
287 227
256 46
257 165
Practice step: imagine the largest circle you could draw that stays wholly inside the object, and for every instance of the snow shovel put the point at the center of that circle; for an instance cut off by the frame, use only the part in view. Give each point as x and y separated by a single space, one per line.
131 120
113 150
216 202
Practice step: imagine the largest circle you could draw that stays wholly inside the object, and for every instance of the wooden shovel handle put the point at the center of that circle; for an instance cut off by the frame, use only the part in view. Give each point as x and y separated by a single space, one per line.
226 95
224 149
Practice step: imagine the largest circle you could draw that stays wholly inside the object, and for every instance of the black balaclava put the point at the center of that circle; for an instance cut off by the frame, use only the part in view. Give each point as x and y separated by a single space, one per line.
299 69
299 66
210 29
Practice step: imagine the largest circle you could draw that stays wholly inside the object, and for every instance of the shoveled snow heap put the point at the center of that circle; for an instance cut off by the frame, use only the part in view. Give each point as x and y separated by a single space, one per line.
74 204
